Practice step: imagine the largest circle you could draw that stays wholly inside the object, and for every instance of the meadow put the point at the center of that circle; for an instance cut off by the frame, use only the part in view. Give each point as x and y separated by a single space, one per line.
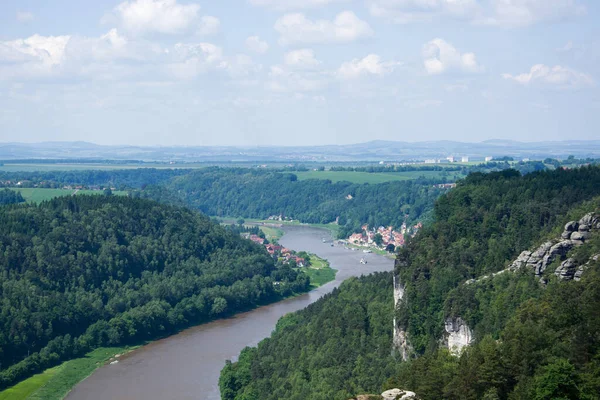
374 177
37 195
55 383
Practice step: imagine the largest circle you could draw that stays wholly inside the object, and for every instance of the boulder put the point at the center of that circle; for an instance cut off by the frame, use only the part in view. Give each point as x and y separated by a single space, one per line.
589 219
571 226
584 228
566 235
562 248
567 270
579 236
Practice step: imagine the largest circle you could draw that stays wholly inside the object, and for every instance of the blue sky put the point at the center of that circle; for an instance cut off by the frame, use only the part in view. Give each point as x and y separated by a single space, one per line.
298 72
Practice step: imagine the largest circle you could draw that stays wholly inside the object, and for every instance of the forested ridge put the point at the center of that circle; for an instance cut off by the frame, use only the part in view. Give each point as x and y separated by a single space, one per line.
531 341
259 194
81 272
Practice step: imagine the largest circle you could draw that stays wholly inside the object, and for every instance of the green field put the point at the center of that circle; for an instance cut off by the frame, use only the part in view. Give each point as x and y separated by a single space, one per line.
272 233
55 383
374 178
319 271
37 195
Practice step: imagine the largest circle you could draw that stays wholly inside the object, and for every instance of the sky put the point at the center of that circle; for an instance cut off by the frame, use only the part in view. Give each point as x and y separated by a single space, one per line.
298 72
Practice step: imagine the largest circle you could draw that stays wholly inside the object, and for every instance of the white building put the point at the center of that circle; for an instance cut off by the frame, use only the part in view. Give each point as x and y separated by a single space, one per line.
450 159
465 159
488 159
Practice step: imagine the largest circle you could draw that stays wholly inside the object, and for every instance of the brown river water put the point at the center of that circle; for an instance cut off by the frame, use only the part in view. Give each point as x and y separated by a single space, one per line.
187 365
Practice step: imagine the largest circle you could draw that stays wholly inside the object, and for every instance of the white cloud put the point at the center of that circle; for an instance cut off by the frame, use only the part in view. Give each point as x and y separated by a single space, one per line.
194 59
33 57
156 16
303 58
558 76
346 27
406 11
512 13
25 16
209 25
506 13
293 4
254 44
282 79
241 66
110 56
371 64
440 56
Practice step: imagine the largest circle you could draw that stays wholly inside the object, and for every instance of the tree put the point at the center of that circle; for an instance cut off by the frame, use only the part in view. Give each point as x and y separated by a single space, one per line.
378 239
557 380
390 248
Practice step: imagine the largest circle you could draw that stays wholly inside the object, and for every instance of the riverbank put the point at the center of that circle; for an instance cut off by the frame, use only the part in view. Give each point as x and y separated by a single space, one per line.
57 382
188 363
332 227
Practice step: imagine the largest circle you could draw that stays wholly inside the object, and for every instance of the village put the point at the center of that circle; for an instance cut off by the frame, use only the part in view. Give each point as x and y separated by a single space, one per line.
286 255
382 238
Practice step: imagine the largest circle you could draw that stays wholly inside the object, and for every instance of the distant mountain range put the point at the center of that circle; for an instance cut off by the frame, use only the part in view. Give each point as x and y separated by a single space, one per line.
377 150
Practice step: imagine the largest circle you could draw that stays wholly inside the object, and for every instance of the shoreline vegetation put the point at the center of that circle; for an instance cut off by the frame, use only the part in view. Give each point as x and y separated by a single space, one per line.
57 382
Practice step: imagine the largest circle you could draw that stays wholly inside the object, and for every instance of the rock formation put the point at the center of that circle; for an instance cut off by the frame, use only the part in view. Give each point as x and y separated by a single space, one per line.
458 335
575 234
398 394
399 341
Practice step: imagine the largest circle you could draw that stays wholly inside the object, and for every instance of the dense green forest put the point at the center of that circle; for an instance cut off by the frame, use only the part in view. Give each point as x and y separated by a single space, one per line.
254 193
478 228
10 197
532 341
260 194
121 179
81 272
333 349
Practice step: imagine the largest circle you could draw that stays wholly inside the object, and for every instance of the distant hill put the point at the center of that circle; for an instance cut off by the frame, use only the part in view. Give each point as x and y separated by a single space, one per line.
377 150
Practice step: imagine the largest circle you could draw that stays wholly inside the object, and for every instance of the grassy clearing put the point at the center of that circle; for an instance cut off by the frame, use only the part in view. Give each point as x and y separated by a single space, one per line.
332 227
23 389
37 195
55 383
366 177
319 272
272 233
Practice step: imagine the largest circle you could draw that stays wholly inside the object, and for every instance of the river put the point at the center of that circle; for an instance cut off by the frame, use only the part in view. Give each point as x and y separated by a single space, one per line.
187 365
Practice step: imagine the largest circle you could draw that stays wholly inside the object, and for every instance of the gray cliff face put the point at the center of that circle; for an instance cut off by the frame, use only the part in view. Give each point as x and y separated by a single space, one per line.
400 341
458 335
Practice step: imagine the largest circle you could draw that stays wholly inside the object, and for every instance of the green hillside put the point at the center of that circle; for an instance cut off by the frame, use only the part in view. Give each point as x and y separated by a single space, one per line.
83 272
531 339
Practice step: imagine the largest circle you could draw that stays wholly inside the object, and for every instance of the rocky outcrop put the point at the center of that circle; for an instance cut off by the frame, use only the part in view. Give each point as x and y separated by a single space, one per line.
398 394
575 234
399 339
570 270
392 394
458 335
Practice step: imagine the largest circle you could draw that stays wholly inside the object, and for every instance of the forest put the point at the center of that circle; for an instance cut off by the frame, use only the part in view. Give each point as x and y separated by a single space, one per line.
532 341
81 272
259 194
256 193
8 196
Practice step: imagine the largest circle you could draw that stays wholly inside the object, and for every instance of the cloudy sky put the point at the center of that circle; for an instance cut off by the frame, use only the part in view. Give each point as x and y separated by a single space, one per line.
296 72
